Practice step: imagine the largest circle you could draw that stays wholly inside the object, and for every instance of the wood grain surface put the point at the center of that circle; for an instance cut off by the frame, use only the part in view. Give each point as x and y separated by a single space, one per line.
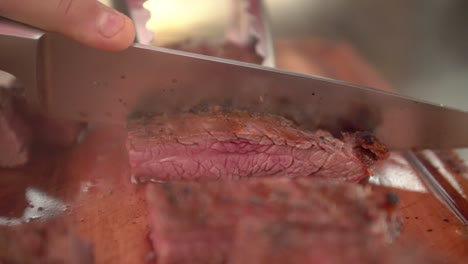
93 179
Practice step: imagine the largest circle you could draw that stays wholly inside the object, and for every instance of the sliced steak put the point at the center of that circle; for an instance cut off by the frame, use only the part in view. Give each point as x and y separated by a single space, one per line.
197 222
15 135
43 242
257 242
208 146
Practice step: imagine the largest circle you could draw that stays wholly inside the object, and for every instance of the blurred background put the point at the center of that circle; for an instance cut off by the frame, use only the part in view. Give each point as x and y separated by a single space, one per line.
419 46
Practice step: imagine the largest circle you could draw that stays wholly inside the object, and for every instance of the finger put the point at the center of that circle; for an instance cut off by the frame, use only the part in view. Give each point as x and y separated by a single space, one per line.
87 21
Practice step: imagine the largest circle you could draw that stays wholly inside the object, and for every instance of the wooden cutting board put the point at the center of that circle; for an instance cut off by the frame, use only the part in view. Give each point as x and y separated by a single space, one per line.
93 181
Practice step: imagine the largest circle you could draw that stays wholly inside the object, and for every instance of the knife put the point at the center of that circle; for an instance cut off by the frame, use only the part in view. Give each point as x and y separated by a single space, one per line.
68 80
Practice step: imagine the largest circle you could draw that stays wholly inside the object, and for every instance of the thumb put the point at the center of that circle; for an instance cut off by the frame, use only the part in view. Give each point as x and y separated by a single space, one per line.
87 21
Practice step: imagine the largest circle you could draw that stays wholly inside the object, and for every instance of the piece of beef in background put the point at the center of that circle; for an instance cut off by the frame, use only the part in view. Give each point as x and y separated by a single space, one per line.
50 241
209 146
194 222
46 130
21 125
15 135
55 132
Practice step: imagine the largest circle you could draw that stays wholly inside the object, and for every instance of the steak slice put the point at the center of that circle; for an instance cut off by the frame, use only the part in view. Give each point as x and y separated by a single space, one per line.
14 134
194 222
208 146
258 242
43 242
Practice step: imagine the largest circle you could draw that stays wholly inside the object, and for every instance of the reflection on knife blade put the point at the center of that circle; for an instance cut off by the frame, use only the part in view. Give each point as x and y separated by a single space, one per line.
107 87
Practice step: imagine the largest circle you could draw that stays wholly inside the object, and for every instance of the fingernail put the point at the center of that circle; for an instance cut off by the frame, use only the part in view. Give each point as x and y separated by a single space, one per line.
110 23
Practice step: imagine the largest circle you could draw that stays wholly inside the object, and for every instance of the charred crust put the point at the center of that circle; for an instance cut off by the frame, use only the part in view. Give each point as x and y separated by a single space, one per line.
368 148
368 138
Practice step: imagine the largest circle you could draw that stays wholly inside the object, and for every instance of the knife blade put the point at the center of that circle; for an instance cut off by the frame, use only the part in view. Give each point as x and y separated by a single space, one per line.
69 80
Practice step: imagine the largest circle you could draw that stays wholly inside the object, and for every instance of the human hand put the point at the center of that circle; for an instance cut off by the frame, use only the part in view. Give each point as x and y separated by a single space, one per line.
87 21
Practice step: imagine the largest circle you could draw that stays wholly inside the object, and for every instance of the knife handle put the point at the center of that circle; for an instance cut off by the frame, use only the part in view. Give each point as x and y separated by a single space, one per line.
20 53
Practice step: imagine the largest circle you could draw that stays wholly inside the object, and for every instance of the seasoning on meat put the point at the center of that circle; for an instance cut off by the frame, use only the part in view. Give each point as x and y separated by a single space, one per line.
14 134
277 243
52 241
207 222
208 146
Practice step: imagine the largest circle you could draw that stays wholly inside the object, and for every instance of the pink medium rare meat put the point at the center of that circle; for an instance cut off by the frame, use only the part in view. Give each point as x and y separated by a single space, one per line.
15 135
208 146
194 222
43 242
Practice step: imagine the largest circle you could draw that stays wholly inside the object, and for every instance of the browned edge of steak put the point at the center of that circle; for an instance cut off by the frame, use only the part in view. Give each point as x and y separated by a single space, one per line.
367 147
